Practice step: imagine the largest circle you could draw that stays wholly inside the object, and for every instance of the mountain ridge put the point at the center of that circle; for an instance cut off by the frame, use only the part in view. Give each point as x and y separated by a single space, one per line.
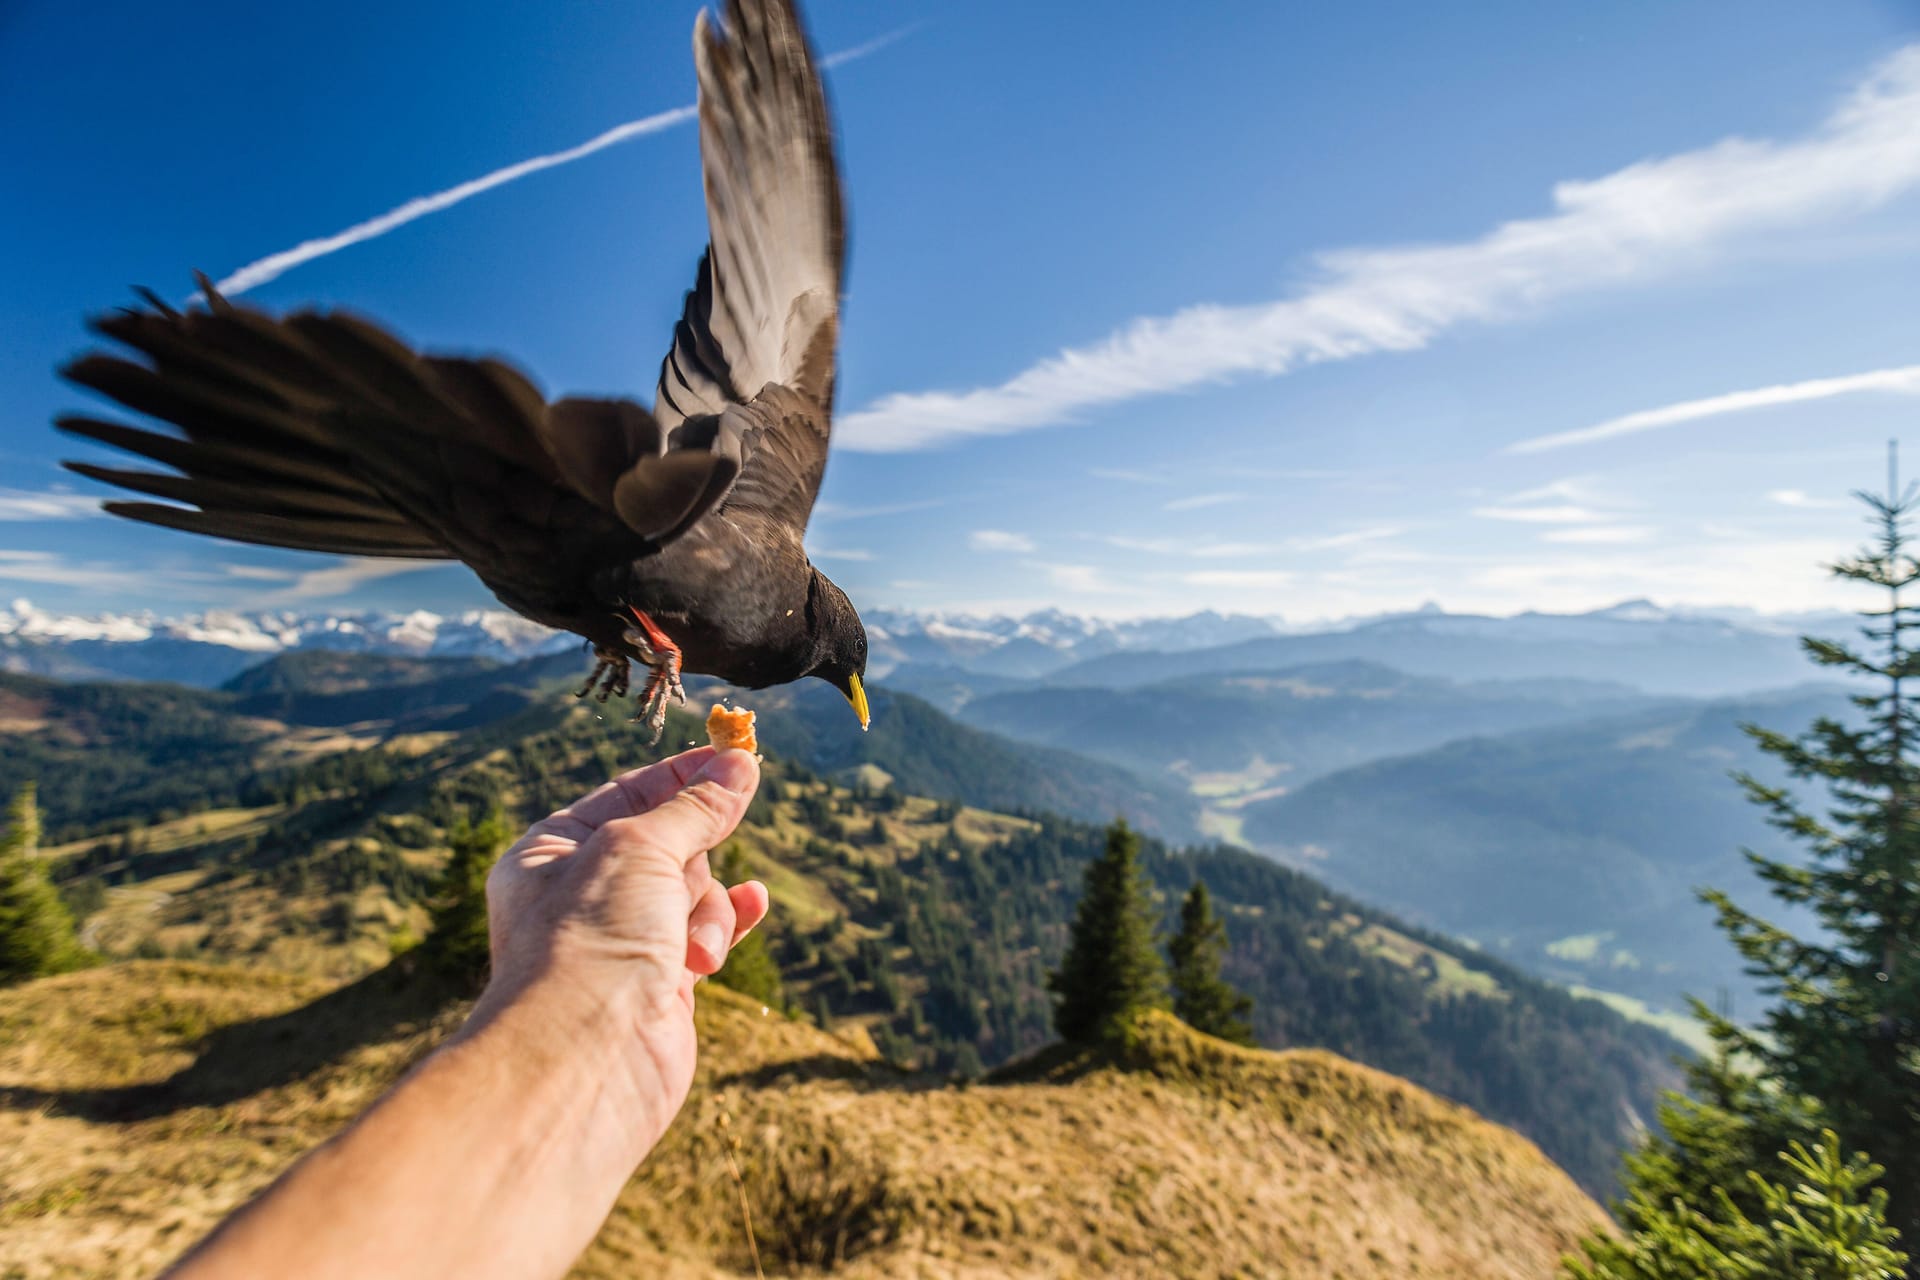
207 649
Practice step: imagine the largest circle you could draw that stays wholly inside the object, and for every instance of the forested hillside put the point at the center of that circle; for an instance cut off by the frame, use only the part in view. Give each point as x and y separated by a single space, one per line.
109 753
928 924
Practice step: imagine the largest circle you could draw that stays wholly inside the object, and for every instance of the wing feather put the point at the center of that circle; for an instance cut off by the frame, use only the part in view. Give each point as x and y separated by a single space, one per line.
326 432
764 309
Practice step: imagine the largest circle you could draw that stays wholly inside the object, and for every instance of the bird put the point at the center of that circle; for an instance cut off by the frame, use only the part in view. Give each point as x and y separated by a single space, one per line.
670 538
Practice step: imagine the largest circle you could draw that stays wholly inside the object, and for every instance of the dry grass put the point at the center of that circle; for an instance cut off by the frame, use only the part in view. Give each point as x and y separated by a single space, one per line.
141 1101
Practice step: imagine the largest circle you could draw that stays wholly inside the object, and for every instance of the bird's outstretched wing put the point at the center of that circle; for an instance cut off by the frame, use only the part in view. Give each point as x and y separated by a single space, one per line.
763 315
324 432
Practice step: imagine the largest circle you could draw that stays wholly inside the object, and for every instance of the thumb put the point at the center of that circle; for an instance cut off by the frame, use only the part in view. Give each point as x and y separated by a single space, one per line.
701 814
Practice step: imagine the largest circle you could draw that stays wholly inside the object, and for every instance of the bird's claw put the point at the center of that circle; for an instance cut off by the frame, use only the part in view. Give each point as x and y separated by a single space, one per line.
663 685
662 657
609 677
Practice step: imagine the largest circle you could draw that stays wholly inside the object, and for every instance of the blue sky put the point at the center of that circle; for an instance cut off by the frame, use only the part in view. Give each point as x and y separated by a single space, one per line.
1151 307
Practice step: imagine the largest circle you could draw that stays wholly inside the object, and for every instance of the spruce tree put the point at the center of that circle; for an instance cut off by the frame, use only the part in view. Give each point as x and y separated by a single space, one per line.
1845 1028
750 968
1707 1141
1819 1217
456 945
1201 997
1111 968
36 929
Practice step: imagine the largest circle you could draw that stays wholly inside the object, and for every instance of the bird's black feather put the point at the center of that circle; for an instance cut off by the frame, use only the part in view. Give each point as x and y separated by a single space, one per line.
323 431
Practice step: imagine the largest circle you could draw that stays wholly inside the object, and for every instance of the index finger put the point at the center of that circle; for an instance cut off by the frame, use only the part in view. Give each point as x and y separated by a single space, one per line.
638 791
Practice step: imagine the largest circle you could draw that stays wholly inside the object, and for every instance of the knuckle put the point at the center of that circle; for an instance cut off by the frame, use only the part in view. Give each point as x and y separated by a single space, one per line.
635 836
710 802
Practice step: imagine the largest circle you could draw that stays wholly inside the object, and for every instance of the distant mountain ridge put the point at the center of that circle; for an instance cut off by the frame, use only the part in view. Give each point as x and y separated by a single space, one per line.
1289 726
1573 850
948 656
1655 650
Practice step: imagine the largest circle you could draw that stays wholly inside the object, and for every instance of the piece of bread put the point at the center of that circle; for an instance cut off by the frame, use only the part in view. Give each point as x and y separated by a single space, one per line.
728 728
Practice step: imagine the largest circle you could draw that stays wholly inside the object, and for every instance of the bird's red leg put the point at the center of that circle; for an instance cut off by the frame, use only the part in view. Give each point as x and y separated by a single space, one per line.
662 657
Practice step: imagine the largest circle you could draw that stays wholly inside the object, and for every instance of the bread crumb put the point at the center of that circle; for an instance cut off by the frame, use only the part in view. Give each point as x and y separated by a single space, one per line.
728 728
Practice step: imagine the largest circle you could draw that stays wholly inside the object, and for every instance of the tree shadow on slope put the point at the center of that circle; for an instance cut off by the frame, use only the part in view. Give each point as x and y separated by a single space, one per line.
242 1059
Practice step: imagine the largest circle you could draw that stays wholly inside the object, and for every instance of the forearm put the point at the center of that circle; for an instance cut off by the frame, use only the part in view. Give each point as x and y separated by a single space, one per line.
499 1155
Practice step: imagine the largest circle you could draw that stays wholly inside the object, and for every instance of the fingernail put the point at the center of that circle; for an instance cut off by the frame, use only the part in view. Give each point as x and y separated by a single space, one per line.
734 770
710 938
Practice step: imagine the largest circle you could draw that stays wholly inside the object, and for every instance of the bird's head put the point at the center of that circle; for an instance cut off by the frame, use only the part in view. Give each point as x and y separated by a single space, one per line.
839 642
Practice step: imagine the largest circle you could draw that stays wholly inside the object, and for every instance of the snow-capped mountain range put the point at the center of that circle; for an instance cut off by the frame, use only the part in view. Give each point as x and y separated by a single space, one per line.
210 648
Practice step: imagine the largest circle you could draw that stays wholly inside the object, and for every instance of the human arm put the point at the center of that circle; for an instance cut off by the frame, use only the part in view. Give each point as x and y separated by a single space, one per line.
501 1153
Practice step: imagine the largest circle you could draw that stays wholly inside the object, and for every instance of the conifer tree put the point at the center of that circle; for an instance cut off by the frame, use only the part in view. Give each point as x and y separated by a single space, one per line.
1111 968
1819 1218
36 929
1708 1140
1845 1029
456 944
750 968
1201 997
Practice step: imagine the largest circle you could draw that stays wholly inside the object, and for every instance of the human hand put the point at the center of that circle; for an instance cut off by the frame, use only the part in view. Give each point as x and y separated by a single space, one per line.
604 914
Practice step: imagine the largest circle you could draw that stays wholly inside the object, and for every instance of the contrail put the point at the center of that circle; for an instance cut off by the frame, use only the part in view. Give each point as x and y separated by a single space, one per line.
275 265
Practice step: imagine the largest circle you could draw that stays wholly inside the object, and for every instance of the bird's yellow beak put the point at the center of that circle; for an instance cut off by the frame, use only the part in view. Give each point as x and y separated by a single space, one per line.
857 695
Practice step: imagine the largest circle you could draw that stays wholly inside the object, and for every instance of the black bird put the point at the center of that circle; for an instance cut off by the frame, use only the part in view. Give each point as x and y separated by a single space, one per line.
671 538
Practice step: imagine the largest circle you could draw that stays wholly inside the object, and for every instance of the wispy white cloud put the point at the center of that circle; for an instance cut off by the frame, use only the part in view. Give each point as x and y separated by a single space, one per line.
1241 579
1128 477
1777 574
1196 548
840 553
1802 499
1567 489
1084 579
1000 540
1600 534
1150 546
49 504
338 579
841 511
1904 381
275 265
1200 500
1560 513
1291 473
1350 538
1216 549
59 570
1637 223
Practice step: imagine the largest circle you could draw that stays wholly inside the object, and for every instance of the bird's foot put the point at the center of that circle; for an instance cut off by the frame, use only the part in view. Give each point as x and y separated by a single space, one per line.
609 678
662 657
662 686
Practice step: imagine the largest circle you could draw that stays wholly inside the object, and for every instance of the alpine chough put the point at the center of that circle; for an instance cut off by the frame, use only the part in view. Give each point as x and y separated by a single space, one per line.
671 538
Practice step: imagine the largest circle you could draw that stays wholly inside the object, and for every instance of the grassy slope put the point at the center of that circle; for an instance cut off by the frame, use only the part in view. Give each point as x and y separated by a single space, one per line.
139 1101
326 883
